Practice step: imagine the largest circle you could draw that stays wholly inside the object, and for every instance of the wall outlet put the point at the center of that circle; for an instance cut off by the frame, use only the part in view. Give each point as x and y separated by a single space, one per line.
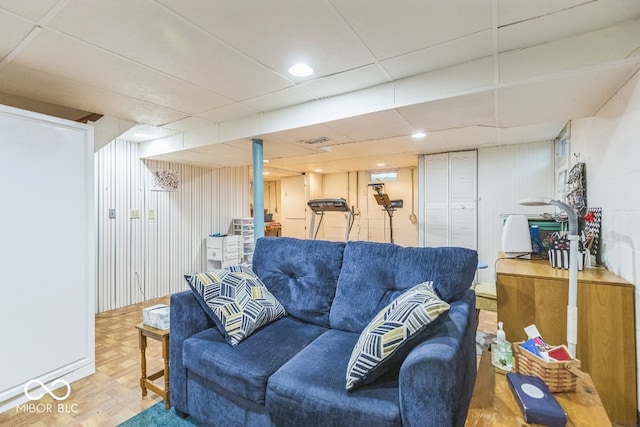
151 214
134 214
112 213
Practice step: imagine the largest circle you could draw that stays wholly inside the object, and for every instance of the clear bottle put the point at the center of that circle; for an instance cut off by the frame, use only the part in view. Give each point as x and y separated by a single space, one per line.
502 356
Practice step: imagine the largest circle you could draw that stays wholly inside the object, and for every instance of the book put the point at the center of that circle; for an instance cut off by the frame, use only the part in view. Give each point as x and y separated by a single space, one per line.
536 402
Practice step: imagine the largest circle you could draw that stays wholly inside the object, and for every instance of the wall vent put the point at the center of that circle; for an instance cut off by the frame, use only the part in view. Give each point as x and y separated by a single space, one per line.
318 140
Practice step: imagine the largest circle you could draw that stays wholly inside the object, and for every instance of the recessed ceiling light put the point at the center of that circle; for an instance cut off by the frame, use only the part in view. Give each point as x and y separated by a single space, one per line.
300 70
265 161
265 173
318 170
380 164
418 134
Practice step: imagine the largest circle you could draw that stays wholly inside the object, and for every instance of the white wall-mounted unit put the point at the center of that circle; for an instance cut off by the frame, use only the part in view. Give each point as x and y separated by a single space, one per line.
48 255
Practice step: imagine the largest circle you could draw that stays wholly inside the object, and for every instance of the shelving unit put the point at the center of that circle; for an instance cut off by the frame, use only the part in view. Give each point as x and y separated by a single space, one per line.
244 227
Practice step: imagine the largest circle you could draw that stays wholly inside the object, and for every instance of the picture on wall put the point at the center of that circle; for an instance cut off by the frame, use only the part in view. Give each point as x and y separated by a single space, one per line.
165 180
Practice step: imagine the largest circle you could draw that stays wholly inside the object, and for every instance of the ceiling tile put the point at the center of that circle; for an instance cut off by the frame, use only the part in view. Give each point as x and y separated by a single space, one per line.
14 30
33 10
282 98
101 69
611 44
347 81
167 43
590 16
298 135
51 88
279 33
275 149
469 137
141 133
446 82
459 111
560 99
511 12
531 133
393 28
372 126
227 113
187 124
463 49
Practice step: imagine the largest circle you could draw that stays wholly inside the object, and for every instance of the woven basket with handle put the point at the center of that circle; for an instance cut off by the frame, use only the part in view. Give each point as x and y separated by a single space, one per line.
558 376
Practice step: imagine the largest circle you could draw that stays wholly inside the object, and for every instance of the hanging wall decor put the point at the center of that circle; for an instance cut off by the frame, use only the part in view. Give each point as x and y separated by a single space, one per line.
591 231
165 180
577 189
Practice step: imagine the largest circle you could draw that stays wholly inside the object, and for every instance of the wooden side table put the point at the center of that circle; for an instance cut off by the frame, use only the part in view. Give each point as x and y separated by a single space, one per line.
493 403
161 335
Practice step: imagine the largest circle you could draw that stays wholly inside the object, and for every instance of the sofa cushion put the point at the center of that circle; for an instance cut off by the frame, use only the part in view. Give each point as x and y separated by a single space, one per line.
309 389
245 369
302 274
205 286
374 274
237 301
390 333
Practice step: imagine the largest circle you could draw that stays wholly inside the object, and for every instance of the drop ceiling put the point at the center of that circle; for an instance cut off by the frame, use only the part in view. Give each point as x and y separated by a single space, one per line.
201 78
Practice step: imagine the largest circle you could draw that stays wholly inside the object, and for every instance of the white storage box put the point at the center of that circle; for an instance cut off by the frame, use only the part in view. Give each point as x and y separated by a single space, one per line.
156 316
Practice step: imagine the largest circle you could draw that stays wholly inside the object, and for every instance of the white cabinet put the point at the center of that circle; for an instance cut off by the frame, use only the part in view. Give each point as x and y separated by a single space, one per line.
223 252
448 202
243 227
47 303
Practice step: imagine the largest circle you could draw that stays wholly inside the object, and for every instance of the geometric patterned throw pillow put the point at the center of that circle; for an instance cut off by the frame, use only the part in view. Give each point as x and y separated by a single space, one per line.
237 301
392 328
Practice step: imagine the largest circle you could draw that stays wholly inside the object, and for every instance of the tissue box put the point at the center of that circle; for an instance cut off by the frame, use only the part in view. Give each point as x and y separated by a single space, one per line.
536 402
156 316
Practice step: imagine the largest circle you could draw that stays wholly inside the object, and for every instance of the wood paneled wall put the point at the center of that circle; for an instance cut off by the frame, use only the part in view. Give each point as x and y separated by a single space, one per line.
146 257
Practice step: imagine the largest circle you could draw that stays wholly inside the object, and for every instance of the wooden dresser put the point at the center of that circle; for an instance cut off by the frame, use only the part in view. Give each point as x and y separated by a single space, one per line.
531 291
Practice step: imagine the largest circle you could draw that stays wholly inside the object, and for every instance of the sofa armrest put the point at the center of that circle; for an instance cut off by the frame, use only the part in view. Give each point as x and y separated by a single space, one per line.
437 377
187 319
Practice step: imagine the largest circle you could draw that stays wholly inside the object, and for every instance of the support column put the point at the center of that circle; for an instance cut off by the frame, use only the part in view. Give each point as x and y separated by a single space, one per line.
258 189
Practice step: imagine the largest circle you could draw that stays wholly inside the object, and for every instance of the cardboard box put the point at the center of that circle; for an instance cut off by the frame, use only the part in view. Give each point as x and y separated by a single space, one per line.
156 316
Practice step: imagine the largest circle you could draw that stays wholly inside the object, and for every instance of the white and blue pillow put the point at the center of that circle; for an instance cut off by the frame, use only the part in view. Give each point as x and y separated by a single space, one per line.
236 300
392 329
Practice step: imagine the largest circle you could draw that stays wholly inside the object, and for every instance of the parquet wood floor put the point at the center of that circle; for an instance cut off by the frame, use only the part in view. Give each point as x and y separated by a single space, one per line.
488 321
111 395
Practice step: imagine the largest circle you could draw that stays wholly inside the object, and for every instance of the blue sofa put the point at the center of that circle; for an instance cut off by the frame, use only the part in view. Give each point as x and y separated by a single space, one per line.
291 372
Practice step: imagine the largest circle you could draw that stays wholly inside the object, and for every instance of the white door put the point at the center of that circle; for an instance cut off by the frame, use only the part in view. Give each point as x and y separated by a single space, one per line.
448 199
294 206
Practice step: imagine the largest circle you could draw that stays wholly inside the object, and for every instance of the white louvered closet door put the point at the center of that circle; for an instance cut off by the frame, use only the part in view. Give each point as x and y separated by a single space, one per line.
448 205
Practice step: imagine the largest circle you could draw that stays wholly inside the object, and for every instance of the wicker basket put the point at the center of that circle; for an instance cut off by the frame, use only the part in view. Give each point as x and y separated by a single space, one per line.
558 376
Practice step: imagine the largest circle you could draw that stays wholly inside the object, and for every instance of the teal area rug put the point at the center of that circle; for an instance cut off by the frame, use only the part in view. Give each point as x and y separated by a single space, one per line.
157 416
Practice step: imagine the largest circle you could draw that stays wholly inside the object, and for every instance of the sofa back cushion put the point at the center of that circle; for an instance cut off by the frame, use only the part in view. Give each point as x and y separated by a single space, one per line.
301 274
374 274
